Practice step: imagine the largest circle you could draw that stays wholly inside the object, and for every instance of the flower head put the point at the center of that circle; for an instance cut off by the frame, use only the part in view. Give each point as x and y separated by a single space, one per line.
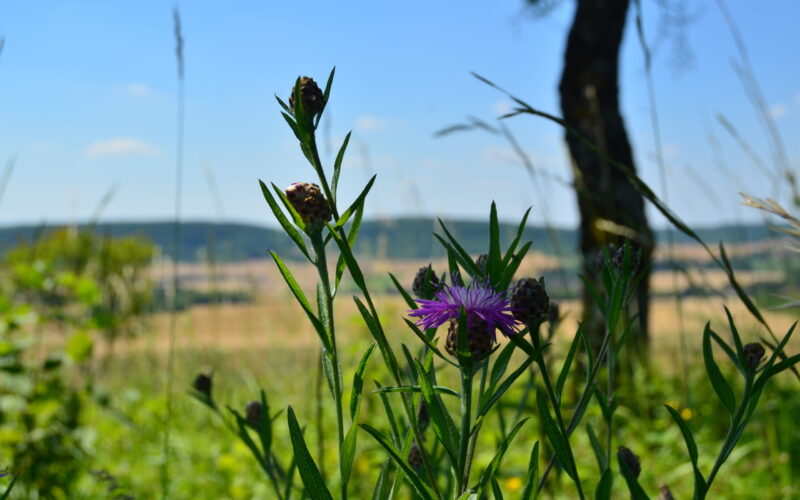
477 299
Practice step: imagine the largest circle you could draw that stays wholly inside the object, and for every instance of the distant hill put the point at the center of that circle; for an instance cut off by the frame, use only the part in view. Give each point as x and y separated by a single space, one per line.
390 238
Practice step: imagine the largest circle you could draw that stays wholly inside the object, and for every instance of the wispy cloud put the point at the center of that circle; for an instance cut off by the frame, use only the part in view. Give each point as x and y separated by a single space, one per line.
777 110
502 107
119 147
137 89
370 123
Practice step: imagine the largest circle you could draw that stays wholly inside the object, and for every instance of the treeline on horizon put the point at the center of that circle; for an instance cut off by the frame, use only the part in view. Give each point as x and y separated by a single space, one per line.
400 238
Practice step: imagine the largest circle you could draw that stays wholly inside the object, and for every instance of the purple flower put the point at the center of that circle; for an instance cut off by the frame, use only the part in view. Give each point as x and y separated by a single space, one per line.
476 299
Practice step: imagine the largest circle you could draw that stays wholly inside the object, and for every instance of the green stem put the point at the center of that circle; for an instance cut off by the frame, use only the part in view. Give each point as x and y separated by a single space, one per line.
327 297
466 425
731 437
539 358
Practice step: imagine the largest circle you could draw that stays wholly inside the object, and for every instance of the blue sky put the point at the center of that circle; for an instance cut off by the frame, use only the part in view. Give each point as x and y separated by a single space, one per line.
88 98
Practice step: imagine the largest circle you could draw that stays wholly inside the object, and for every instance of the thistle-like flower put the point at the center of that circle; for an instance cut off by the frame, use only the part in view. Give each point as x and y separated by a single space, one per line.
529 300
478 300
313 98
309 202
753 355
253 414
420 287
631 460
202 384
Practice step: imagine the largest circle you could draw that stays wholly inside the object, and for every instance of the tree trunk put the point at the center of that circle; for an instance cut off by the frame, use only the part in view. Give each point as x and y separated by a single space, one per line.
589 91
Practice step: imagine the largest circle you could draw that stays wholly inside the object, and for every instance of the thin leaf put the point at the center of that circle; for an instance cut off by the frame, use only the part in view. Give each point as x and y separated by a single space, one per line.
421 488
637 493
562 377
284 222
531 491
554 435
718 382
494 465
358 383
443 425
603 490
309 473
337 165
301 299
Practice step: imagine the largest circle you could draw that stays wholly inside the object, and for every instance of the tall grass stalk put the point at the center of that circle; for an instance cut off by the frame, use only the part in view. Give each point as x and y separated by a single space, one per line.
176 254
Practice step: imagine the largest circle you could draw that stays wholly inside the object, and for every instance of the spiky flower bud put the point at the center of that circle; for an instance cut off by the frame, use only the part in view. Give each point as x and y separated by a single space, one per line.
419 286
202 384
481 261
631 460
664 493
253 412
313 98
618 259
753 355
310 204
415 457
529 300
479 339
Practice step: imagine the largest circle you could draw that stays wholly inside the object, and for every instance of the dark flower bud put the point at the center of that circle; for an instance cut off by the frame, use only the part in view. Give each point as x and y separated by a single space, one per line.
423 417
529 301
618 259
313 98
753 355
630 459
309 203
202 384
664 493
481 262
419 286
253 412
415 457
479 339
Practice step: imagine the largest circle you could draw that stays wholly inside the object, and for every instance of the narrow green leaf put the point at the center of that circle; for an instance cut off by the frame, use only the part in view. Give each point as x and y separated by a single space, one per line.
283 104
461 257
699 483
265 429
501 365
384 484
309 473
10 487
573 348
443 425
327 92
337 165
288 206
402 291
359 201
358 383
421 488
494 465
348 453
301 299
489 399
554 435
603 490
718 382
284 222
513 245
394 424
415 389
352 235
511 269
599 453
494 258
531 486
380 338
496 491
350 260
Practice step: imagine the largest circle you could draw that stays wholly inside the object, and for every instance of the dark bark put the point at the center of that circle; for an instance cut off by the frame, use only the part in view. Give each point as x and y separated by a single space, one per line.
589 91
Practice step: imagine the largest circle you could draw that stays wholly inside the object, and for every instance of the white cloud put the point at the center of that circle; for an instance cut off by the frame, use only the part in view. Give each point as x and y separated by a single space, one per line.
501 107
137 89
120 146
777 110
370 123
